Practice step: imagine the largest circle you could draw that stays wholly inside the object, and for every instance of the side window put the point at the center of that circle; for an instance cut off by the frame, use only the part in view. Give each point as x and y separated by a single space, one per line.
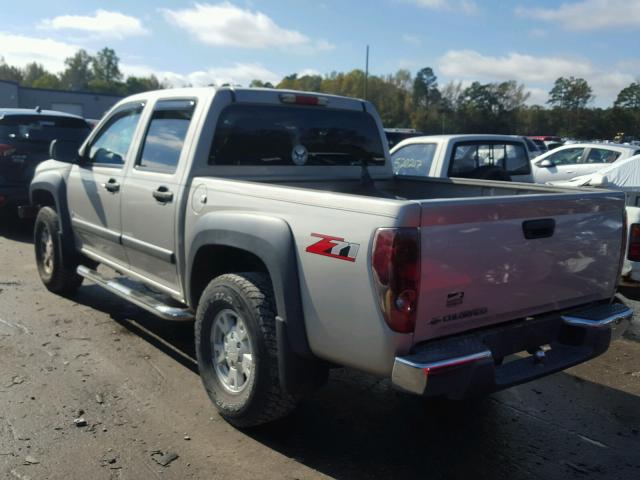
165 135
470 159
414 159
112 144
602 155
569 156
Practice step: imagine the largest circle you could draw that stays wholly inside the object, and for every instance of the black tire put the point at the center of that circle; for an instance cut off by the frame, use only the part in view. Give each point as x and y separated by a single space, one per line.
250 296
59 273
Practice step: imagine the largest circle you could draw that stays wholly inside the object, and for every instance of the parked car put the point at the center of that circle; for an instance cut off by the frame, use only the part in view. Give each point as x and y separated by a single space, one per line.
396 135
542 147
274 218
490 157
623 175
573 160
533 148
25 135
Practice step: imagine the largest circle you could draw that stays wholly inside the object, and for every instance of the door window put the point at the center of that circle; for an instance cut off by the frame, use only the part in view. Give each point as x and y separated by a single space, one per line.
471 158
112 144
165 136
568 156
602 155
414 159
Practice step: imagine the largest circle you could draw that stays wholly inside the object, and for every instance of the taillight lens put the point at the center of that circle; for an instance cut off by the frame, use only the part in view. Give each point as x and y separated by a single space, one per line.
396 271
634 243
6 150
304 99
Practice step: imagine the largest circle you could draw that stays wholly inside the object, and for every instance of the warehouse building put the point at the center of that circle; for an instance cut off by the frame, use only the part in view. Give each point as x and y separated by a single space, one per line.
86 104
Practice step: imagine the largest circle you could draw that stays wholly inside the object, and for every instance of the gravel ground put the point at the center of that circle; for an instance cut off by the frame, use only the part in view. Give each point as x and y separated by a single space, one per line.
133 380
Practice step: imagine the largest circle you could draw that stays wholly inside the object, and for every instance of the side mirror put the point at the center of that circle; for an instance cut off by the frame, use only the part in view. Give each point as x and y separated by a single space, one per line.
598 180
546 163
64 151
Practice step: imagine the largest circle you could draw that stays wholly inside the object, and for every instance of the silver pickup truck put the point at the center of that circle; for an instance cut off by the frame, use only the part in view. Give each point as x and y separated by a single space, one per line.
274 219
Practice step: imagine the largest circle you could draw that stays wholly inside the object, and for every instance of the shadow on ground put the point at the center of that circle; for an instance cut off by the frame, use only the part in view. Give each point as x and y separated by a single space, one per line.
358 427
14 228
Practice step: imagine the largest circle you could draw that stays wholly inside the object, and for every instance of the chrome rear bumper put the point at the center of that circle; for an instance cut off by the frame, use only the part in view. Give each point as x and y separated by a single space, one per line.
468 364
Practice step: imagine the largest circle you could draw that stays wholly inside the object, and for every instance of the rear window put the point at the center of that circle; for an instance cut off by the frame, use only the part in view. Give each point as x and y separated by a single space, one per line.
42 128
295 135
471 159
415 159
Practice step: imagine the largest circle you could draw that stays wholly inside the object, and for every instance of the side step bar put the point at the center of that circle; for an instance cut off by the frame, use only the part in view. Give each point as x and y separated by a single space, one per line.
141 299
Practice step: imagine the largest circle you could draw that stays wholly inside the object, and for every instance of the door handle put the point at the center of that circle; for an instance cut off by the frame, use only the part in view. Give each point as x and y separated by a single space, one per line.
163 195
112 185
543 228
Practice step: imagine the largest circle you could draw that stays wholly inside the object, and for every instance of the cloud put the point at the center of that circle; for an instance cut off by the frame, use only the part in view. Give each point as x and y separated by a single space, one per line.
589 14
537 73
102 23
237 74
19 50
225 24
310 72
514 66
537 96
411 39
468 7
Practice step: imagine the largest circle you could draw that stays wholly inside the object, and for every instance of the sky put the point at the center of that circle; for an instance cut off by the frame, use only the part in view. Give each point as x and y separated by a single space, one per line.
199 43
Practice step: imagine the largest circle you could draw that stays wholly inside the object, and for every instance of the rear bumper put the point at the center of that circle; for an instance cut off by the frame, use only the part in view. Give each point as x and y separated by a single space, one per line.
468 365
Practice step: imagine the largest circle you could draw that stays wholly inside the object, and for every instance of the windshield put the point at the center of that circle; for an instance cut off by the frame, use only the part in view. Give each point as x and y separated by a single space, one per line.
295 135
42 128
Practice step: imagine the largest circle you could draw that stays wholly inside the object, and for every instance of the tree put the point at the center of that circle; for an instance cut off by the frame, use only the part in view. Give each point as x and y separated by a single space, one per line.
142 84
9 72
425 88
78 72
260 84
105 66
31 72
47 80
570 93
629 97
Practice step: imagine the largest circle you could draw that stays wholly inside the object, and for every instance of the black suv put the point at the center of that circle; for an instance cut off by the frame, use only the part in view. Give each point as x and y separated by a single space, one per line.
25 136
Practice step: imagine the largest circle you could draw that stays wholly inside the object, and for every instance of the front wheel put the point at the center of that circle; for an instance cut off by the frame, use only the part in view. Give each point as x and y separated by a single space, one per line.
56 268
237 350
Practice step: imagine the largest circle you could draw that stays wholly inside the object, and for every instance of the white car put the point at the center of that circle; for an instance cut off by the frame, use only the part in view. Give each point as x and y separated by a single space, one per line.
622 175
573 160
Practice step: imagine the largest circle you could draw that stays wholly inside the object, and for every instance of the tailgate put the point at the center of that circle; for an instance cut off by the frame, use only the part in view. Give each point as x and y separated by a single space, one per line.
478 267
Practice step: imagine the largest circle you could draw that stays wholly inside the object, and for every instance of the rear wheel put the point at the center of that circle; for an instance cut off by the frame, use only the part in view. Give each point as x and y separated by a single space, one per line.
237 350
56 267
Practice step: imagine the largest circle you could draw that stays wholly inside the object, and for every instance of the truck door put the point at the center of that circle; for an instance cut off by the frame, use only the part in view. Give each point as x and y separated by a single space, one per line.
151 194
94 186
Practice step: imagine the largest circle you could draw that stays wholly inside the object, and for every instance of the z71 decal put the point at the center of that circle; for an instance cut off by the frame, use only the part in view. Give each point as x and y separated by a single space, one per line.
334 247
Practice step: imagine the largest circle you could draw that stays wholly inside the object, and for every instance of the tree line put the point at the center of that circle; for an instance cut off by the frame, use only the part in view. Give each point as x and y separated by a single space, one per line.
403 100
83 72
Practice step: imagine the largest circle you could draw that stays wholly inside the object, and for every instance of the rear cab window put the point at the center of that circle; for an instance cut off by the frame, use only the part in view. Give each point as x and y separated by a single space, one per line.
471 158
274 135
42 129
414 159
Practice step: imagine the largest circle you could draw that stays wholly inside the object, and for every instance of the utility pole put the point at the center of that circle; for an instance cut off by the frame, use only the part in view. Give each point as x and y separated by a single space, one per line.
366 73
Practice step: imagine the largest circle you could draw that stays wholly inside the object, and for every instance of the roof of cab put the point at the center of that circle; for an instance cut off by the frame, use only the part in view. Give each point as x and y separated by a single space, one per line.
461 137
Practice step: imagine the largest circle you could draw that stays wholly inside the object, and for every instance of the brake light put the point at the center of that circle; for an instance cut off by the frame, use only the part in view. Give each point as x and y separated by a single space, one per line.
304 99
6 150
634 243
396 271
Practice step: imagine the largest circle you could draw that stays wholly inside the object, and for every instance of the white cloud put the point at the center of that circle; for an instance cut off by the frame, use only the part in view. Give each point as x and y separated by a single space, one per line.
411 39
311 72
102 23
515 66
589 14
225 24
468 7
537 73
238 74
19 50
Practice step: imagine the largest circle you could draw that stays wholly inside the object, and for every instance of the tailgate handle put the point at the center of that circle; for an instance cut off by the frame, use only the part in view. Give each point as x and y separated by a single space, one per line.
542 228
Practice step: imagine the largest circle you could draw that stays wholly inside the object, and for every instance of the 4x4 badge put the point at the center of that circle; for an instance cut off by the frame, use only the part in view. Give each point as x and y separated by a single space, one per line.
334 247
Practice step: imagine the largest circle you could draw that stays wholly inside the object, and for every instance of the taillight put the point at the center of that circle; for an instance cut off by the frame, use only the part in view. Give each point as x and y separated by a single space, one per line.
396 270
304 99
6 150
634 243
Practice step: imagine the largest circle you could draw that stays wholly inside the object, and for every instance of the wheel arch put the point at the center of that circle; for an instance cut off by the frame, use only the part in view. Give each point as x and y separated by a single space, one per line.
50 188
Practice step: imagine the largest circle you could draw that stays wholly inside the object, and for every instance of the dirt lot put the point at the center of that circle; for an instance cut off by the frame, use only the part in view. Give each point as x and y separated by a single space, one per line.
133 379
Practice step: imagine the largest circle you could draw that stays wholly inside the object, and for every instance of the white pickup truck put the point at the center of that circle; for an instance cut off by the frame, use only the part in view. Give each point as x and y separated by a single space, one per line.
488 157
275 220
